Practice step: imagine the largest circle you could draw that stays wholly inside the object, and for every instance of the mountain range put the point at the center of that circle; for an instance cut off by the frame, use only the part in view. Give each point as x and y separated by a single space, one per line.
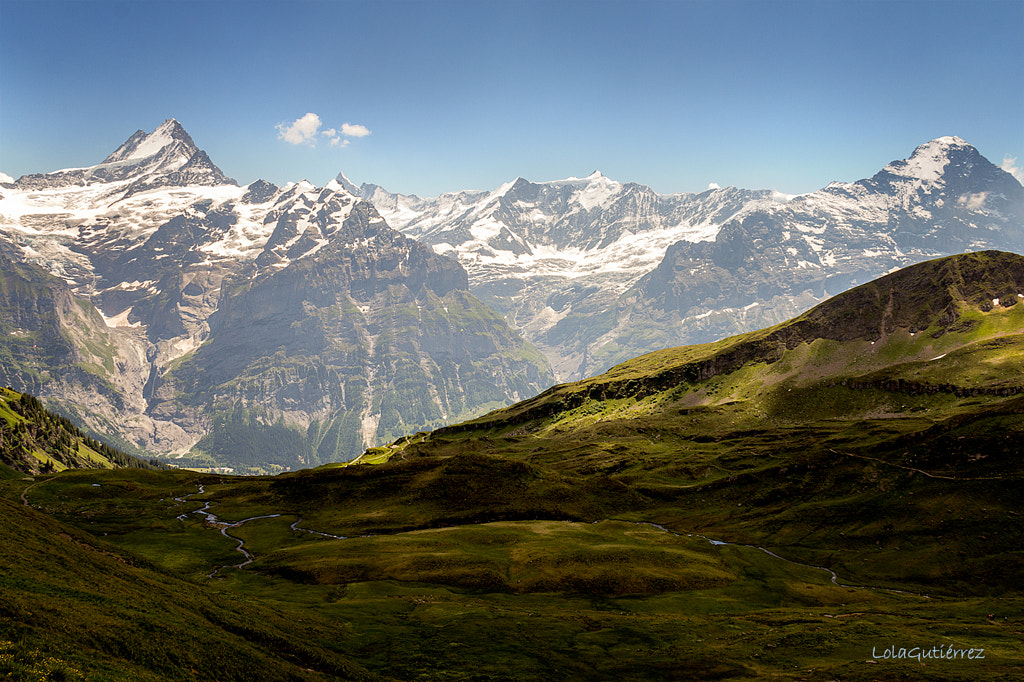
152 298
594 272
157 302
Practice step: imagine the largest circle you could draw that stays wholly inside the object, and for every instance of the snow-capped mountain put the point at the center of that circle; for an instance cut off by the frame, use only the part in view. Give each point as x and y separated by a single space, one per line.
775 261
594 271
546 252
296 311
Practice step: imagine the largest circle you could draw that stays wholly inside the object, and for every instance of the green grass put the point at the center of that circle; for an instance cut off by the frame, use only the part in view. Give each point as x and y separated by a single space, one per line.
502 598
520 546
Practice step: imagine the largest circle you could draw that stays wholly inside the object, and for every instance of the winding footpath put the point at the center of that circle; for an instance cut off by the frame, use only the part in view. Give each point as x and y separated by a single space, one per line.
24 493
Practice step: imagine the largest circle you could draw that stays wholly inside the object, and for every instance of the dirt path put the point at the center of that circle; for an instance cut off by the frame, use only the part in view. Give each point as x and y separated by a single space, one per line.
24 493
920 471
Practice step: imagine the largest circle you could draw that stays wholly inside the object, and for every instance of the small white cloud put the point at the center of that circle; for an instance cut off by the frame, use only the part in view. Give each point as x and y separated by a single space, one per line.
1010 166
306 130
5 178
302 131
714 185
974 202
354 130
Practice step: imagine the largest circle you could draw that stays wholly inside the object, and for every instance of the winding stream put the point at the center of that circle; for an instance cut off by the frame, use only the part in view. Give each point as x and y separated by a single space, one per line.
224 526
832 574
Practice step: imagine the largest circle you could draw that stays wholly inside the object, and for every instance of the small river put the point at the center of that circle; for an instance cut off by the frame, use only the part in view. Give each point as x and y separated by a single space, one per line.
225 526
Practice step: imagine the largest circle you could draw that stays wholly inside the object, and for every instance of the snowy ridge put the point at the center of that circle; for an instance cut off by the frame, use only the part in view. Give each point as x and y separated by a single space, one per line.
543 252
590 224
175 257
552 255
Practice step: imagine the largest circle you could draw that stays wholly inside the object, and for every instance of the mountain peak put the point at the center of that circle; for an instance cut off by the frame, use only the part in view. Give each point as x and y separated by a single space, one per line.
141 145
940 146
349 186
929 161
948 140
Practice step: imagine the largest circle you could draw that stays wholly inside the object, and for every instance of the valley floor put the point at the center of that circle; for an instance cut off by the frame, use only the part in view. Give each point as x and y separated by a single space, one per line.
107 576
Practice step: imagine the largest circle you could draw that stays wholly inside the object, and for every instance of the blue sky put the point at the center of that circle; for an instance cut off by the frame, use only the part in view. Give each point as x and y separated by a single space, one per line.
442 96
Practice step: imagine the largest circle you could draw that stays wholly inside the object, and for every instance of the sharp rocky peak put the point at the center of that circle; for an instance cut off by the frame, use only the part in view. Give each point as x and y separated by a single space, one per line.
930 161
141 145
349 186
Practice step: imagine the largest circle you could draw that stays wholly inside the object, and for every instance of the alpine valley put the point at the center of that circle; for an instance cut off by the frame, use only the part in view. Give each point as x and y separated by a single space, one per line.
156 302
835 497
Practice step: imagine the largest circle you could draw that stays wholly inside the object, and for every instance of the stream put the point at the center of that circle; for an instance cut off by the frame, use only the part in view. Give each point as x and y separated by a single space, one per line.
832 574
224 526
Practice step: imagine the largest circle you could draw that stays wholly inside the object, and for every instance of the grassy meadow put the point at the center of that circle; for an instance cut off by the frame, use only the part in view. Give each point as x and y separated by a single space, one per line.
799 503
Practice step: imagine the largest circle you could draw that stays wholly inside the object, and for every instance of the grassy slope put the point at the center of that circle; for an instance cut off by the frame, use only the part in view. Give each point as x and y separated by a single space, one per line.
523 599
511 546
33 439
113 616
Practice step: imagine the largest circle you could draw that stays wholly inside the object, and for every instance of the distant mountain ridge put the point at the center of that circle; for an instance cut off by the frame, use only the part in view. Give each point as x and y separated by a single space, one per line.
593 271
185 288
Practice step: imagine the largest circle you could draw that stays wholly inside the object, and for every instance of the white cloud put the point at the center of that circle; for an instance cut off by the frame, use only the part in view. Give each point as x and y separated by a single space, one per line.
354 130
302 131
1010 166
974 202
306 130
4 177
714 185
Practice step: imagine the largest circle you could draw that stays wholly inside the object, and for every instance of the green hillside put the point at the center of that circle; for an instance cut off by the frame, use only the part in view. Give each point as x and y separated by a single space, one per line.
786 504
883 418
34 440
75 608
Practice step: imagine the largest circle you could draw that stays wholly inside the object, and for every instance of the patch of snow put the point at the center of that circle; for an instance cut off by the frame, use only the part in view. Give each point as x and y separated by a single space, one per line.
598 191
973 202
119 320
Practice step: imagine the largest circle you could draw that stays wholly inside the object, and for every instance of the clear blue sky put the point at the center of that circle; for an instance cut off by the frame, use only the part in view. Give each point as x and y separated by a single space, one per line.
460 95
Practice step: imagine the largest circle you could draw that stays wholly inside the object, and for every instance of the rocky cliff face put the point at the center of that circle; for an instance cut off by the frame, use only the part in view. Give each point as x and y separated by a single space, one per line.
253 324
